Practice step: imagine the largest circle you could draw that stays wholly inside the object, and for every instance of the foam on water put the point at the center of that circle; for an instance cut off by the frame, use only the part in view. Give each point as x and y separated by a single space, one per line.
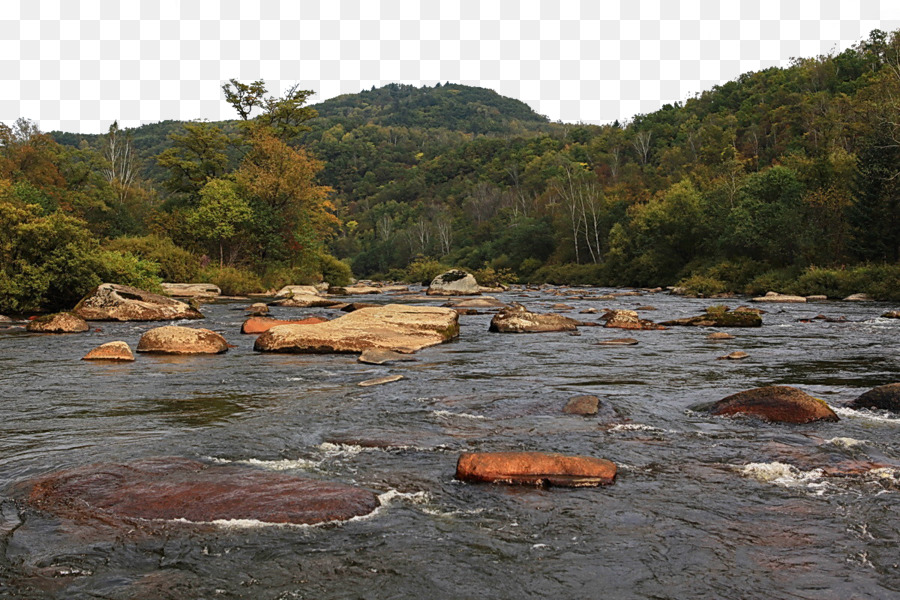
446 414
271 465
780 473
634 427
865 413
846 442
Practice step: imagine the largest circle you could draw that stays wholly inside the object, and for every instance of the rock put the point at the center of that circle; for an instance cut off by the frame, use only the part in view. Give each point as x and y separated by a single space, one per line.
562 307
883 397
5 319
859 298
619 342
588 311
777 403
307 301
352 306
258 309
751 309
648 307
891 314
483 302
379 356
515 318
720 316
582 405
737 355
720 335
110 351
297 290
776 297
173 339
112 302
535 468
454 283
191 290
393 327
63 322
256 325
380 380
360 290
178 488
816 298
628 319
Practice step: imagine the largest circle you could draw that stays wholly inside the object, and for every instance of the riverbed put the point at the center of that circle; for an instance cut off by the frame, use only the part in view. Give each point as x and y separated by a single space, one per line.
703 507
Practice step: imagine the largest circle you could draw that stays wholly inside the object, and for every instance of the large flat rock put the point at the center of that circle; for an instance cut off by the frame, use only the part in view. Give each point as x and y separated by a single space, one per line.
393 327
113 302
179 488
535 468
776 403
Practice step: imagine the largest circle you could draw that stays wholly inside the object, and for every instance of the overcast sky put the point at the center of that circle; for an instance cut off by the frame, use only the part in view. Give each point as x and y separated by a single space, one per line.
77 65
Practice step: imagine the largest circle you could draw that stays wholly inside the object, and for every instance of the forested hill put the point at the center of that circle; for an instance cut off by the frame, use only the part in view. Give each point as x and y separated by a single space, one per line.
787 178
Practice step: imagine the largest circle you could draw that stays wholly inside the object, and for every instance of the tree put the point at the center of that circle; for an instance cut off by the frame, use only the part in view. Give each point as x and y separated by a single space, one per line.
220 214
121 169
196 156
244 97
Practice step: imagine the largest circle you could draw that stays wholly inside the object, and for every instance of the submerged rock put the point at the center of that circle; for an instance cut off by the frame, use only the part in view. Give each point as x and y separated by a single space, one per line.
393 327
454 283
379 356
892 314
884 397
255 325
720 335
777 403
191 290
113 302
619 342
63 322
119 351
179 488
628 319
258 309
380 380
582 405
737 355
483 302
173 339
535 468
515 318
720 316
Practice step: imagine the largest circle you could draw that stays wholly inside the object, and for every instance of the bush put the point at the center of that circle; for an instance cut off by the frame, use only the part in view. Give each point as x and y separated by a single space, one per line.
702 285
334 271
776 280
488 276
569 274
232 281
424 270
175 263
127 269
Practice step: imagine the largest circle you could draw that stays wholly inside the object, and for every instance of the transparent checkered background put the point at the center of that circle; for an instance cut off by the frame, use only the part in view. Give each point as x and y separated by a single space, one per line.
76 65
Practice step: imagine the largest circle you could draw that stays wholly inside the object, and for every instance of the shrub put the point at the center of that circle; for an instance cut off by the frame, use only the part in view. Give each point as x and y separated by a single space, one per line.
231 280
702 285
569 274
424 270
334 271
175 263
489 276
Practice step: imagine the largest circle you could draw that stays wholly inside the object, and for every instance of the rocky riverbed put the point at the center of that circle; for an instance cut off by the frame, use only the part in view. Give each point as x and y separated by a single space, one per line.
701 505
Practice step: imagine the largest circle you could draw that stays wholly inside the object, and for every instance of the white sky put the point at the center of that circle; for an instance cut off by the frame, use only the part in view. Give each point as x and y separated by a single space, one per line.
77 65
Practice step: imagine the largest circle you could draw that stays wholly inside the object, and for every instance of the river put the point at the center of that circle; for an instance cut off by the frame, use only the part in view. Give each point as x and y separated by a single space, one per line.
703 507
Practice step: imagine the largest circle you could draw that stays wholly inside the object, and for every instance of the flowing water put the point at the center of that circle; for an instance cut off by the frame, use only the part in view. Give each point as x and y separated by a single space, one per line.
703 507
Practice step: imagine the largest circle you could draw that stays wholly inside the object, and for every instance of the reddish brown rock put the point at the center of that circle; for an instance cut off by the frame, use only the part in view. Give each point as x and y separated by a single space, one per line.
535 468
515 318
112 302
256 325
720 335
736 355
118 351
883 397
619 342
380 380
172 339
178 488
393 326
777 403
64 322
628 319
582 405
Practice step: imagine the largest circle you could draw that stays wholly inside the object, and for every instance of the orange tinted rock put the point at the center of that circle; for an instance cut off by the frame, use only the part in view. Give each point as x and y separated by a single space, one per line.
110 351
64 322
582 405
178 488
255 325
112 302
535 468
173 339
393 326
777 403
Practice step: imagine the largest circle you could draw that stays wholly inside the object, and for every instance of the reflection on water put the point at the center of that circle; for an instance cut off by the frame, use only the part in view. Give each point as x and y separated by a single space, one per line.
703 507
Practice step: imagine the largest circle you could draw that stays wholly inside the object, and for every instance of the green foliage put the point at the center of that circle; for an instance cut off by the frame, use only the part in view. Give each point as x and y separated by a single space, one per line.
569 274
703 285
175 264
220 214
490 277
334 271
423 271
232 280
